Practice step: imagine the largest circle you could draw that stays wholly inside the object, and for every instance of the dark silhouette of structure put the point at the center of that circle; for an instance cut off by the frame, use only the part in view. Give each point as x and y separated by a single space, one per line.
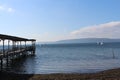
13 47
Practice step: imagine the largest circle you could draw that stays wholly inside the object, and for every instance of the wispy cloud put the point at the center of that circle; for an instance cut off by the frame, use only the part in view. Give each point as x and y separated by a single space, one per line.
10 10
1 7
6 9
106 30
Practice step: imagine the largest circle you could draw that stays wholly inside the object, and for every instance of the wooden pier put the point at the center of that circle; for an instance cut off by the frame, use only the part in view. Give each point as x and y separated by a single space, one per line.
13 47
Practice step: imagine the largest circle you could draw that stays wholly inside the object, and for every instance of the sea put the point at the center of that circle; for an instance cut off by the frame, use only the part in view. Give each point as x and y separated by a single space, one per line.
70 58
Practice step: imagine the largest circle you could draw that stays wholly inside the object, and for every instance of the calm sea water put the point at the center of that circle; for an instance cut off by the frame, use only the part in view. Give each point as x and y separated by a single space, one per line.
71 58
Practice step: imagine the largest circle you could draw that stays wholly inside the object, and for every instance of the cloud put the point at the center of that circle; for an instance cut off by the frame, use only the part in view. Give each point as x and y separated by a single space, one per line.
1 8
6 9
106 30
10 10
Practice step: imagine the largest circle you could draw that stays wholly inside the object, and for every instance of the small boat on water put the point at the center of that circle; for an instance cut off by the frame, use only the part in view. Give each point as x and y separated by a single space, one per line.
100 43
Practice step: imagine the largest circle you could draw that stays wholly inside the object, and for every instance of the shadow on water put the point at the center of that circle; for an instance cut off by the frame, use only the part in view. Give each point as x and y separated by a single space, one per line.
13 76
15 70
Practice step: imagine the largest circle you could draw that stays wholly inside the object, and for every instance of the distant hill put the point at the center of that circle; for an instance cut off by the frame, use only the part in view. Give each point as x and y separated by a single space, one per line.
83 40
89 40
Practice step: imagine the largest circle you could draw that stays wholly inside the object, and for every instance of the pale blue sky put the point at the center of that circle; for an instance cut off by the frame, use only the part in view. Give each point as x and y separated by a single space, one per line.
51 20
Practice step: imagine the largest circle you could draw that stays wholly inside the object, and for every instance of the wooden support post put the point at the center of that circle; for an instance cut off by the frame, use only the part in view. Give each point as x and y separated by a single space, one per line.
25 44
3 48
1 63
14 55
17 45
33 47
7 60
12 45
13 49
20 48
20 44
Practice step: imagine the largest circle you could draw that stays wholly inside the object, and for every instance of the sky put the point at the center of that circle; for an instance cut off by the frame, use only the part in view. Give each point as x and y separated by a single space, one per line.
53 20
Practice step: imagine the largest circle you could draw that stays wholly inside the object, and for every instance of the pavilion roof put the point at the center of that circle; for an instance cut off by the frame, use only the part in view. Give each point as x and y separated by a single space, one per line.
14 38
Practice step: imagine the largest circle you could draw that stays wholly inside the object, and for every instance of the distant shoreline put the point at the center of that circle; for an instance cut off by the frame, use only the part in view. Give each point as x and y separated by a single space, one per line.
83 40
112 74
